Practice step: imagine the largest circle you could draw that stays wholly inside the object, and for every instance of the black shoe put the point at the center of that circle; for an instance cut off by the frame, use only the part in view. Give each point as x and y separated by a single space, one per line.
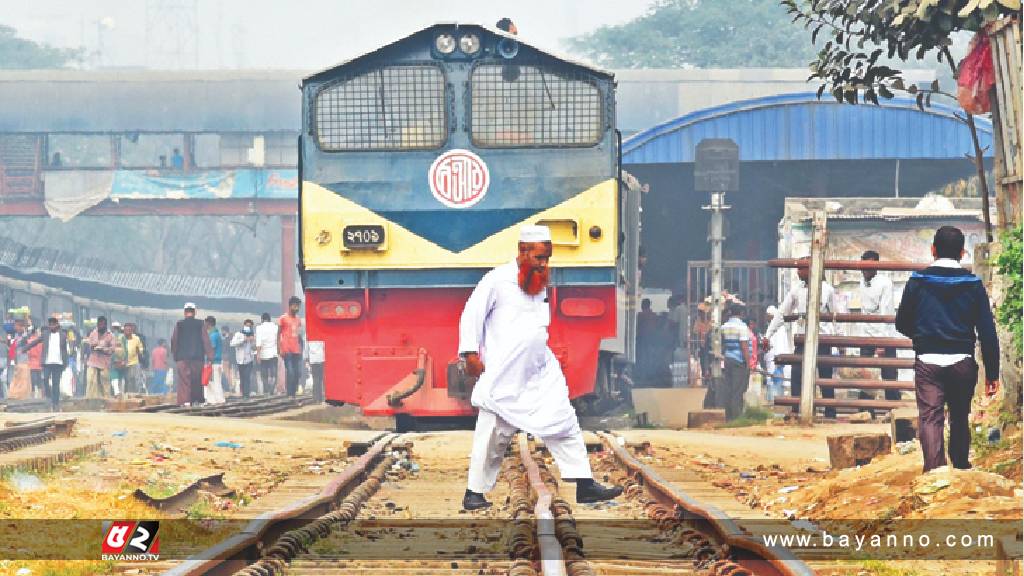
590 492
474 501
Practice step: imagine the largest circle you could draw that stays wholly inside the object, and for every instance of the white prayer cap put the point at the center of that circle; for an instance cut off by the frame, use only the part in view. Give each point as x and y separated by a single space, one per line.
190 306
772 310
534 233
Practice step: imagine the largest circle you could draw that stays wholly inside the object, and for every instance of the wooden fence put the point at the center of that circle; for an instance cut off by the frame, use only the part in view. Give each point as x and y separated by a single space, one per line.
1006 116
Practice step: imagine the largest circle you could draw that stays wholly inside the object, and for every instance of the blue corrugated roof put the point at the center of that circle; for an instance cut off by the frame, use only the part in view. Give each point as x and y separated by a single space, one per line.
802 127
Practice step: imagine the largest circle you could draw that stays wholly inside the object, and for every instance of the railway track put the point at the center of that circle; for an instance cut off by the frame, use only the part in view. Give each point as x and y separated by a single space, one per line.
237 408
17 435
396 511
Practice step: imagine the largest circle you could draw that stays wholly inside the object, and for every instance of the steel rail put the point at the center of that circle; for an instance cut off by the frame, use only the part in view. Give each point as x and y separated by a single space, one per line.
243 549
237 408
748 551
551 561
22 430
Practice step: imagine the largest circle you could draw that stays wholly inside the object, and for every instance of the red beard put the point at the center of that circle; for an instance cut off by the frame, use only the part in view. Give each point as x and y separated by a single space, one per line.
533 282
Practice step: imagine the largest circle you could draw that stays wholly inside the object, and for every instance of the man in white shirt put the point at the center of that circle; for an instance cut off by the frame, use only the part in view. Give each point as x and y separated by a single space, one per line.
778 344
795 302
505 324
266 353
244 343
876 298
55 359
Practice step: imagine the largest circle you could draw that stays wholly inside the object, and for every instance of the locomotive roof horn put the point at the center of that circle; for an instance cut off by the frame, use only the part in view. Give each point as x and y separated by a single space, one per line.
508 48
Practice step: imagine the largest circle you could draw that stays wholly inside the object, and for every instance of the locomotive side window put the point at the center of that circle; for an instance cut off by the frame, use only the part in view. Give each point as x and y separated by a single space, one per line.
519 106
390 108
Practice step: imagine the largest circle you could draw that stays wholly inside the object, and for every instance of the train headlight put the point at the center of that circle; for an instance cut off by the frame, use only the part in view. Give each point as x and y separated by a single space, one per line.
469 44
445 43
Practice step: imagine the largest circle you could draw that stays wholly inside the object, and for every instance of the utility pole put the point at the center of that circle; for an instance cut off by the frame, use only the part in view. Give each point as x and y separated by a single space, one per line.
717 171
815 276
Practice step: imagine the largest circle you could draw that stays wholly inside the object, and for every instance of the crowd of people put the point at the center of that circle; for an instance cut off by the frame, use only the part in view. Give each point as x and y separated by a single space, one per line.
746 351
200 364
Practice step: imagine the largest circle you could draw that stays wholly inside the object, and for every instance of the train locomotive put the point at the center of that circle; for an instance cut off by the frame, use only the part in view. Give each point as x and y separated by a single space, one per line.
418 164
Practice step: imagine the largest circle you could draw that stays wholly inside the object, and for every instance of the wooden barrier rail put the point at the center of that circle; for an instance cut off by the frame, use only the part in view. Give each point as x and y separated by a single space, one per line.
860 341
862 318
848 361
889 265
865 384
839 403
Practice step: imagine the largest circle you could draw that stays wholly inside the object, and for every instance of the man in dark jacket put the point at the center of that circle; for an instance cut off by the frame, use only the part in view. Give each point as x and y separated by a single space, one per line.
943 307
190 345
55 359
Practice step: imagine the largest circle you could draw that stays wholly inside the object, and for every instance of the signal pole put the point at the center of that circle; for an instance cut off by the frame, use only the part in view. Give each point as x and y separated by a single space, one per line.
717 171
716 238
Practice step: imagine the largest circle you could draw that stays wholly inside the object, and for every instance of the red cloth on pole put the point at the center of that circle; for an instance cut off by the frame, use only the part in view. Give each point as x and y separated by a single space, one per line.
976 76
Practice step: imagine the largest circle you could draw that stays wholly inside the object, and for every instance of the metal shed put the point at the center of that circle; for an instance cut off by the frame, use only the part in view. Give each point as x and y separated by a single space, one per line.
802 127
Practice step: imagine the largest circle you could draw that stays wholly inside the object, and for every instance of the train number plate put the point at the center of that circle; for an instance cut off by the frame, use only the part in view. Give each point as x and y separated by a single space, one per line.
363 236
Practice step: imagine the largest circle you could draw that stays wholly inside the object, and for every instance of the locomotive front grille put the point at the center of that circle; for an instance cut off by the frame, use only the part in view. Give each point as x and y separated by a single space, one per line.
390 108
522 105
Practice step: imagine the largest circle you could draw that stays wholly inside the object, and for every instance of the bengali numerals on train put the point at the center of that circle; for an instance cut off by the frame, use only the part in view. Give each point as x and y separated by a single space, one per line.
362 236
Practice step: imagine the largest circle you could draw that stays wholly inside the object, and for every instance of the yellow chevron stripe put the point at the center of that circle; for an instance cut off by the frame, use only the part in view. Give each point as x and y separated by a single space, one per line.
325 213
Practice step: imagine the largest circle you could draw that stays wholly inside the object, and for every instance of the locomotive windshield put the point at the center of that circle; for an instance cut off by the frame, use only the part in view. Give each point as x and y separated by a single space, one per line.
517 106
390 108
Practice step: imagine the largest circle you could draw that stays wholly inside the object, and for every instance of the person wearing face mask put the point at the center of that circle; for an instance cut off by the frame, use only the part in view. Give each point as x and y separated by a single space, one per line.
505 322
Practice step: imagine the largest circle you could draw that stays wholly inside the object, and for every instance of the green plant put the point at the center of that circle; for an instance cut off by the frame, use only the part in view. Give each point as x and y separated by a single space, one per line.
201 510
880 568
860 32
1009 265
752 416
982 447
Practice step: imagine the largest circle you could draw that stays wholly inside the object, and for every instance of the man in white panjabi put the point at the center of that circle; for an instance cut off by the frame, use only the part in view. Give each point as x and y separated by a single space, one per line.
505 324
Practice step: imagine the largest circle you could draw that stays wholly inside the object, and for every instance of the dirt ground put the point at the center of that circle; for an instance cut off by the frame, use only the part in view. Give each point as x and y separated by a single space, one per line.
161 454
784 471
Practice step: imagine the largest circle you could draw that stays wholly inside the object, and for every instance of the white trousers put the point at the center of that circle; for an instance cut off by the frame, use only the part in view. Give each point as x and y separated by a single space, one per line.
213 393
491 438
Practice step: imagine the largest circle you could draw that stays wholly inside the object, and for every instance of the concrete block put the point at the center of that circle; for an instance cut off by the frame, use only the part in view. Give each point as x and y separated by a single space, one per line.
860 418
849 450
706 418
905 424
668 407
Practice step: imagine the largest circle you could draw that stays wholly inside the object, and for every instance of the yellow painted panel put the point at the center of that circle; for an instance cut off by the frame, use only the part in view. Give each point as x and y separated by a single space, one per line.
325 213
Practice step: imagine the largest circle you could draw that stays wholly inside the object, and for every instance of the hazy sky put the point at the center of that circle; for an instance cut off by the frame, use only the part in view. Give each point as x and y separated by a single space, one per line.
303 34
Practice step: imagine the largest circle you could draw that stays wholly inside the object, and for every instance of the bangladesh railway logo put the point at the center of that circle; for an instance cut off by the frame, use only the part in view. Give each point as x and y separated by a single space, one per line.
131 541
459 178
